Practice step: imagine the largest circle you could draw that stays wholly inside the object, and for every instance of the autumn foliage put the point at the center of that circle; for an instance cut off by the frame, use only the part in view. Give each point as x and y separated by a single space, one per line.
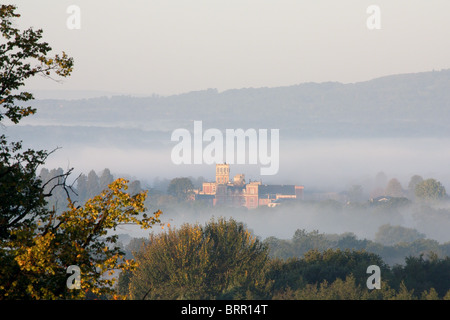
218 260
35 259
38 244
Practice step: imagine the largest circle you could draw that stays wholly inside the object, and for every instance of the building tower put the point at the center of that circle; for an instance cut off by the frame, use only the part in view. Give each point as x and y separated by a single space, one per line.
222 173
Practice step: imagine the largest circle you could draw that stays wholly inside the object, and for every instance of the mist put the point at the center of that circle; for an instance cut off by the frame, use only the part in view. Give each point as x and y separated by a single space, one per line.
326 217
327 168
328 165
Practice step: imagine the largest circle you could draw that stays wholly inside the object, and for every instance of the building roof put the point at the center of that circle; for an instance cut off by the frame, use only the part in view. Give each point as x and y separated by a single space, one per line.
381 199
204 196
276 189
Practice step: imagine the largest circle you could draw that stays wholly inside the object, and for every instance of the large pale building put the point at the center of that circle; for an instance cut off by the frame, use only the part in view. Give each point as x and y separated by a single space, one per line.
238 193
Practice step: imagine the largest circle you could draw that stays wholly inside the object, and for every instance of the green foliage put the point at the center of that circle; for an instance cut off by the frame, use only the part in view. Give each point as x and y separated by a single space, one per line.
337 290
349 241
304 241
430 190
301 242
286 275
413 182
295 275
220 260
23 55
177 271
390 235
332 264
392 244
423 274
181 188
21 194
335 275
340 289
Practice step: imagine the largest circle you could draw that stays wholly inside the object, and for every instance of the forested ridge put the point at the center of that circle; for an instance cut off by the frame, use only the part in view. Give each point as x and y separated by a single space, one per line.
407 105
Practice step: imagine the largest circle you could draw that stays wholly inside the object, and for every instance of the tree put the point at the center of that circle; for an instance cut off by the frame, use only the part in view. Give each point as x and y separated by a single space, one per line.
390 235
419 274
218 260
337 290
430 295
180 188
57 199
332 264
413 182
93 184
81 188
106 178
24 55
349 241
310 277
430 190
303 241
135 187
35 260
37 244
394 188
21 193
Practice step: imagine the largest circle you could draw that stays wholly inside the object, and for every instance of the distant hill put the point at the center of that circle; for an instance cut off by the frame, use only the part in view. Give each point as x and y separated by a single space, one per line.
406 105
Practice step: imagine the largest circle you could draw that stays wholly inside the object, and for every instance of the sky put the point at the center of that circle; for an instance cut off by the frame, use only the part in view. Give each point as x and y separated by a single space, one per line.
169 47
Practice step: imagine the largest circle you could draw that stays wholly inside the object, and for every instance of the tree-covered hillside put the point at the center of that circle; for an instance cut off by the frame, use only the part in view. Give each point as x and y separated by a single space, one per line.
407 105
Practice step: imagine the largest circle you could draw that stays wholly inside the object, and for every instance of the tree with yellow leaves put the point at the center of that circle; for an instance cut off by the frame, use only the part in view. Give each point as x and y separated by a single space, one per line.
78 236
38 245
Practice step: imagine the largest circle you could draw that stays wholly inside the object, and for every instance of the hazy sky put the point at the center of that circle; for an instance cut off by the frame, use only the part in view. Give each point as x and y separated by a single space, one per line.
174 46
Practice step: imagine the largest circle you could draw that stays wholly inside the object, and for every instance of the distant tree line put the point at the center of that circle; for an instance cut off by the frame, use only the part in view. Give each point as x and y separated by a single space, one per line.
83 188
418 189
391 243
426 191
